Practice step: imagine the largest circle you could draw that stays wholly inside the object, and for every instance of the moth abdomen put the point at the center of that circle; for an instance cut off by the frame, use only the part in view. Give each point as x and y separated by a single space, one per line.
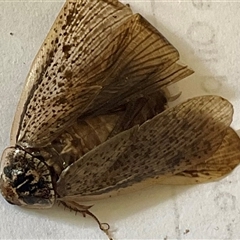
86 134
83 136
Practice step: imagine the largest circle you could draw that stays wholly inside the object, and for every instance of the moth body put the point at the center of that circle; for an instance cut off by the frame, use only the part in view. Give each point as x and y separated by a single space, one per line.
93 121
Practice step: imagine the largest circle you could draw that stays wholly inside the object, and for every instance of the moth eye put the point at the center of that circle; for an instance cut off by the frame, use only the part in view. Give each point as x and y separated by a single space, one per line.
25 180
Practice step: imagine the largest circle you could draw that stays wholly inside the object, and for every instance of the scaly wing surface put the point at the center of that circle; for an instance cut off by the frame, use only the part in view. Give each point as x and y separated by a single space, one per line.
173 141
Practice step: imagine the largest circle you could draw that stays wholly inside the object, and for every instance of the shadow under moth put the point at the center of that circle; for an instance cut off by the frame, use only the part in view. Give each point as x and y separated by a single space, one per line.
92 121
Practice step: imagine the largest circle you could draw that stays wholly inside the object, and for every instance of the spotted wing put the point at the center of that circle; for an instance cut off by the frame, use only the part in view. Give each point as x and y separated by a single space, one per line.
172 142
97 56
223 161
57 85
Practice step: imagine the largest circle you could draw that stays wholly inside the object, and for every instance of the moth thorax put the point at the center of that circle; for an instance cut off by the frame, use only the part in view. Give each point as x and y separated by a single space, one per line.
25 180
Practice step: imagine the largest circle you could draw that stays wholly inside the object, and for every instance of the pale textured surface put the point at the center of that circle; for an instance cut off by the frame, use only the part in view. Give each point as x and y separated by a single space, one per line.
207 36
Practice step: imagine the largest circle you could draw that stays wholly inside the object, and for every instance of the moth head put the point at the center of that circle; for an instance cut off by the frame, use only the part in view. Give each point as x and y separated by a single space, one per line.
25 180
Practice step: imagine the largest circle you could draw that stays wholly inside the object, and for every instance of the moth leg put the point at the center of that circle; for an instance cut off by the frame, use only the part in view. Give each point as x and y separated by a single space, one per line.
52 158
68 145
84 210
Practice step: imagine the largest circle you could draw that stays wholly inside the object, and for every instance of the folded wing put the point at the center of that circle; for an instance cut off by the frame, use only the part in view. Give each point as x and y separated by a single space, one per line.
97 56
172 142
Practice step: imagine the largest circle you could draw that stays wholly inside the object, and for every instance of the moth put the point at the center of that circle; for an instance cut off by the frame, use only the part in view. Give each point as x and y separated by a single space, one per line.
92 121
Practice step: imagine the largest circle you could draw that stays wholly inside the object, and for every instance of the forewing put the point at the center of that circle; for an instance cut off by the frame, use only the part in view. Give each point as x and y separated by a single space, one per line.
97 56
226 158
57 85
173 141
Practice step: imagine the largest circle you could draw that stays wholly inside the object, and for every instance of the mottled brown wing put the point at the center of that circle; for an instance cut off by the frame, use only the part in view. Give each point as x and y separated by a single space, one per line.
96 57
173 141
143 63
226 158
57 86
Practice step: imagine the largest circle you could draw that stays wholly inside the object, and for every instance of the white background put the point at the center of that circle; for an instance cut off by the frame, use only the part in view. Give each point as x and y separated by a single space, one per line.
207 37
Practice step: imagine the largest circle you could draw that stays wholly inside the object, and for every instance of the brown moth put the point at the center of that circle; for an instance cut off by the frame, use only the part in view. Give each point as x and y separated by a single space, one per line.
92 119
